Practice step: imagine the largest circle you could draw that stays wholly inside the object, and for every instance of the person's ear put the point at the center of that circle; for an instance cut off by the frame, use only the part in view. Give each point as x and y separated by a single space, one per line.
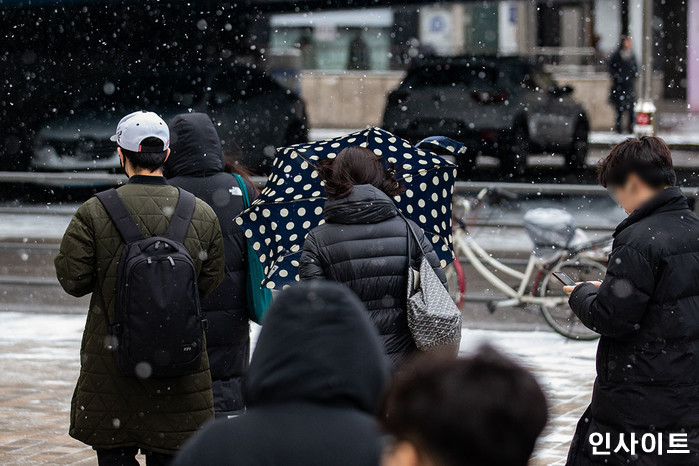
402 454
121 156
167 154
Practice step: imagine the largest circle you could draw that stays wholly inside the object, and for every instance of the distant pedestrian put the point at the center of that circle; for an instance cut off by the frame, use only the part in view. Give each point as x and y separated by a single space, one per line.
647 311
196 164
312 390
623 70
154 405
359 56
481 410
364 244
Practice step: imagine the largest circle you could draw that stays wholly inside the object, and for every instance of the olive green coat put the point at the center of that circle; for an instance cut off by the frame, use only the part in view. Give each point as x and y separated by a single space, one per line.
109 409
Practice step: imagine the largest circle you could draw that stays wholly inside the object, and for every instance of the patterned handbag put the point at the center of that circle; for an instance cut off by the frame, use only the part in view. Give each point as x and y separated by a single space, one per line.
433 318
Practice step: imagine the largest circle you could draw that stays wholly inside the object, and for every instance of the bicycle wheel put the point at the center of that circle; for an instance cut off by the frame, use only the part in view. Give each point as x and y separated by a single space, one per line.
456 281
560 317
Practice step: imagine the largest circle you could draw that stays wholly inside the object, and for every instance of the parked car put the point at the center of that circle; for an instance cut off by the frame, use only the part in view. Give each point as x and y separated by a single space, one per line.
252 112
502 106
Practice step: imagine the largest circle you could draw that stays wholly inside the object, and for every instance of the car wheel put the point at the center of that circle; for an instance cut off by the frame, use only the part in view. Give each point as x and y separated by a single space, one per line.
575 158
514 161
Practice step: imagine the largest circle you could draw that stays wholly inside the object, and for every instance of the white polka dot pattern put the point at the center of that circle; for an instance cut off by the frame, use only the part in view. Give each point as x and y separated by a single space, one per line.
291 204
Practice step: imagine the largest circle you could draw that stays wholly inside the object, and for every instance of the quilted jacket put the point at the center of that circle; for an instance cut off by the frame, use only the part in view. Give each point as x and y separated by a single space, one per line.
364 245
111 410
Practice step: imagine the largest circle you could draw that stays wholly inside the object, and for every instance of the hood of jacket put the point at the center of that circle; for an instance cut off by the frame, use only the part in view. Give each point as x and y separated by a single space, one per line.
195 147
667 200
317 345
365 204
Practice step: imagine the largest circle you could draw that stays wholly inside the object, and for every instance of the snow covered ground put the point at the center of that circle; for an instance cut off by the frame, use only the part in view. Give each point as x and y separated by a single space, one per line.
39 362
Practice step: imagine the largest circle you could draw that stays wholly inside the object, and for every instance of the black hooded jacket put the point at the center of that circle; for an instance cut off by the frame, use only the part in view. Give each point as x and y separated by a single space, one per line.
647 311
623 73
312 390
196 164
363 245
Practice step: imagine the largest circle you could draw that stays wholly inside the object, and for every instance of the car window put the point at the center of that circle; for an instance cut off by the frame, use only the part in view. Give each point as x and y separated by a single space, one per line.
240 83
126 92
447 75
538 80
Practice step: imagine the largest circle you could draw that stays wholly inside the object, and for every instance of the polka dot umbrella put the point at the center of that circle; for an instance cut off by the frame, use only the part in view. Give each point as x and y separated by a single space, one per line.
291 203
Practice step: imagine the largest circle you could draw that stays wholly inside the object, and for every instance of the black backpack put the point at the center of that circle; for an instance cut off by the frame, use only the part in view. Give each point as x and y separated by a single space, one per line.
158 327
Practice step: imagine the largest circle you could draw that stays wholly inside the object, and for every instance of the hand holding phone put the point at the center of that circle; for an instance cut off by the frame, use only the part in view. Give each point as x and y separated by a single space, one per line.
565 279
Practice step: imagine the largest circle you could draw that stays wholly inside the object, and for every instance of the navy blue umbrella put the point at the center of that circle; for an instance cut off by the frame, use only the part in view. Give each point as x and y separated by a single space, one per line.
292 201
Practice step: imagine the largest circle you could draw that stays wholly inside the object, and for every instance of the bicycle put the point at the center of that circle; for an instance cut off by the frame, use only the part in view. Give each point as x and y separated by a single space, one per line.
586 261
556 250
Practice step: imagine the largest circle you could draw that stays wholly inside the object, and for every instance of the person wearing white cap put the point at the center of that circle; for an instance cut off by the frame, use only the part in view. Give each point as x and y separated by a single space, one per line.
144 143
120 412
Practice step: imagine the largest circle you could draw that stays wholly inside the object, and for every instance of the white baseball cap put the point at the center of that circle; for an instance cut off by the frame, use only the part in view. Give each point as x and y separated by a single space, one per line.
137 126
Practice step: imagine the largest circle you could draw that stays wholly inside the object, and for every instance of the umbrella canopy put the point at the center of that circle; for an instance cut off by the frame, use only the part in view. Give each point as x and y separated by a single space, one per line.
291 203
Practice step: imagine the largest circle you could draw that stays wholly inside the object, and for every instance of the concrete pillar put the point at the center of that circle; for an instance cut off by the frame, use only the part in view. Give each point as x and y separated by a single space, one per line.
693 55
636 26
457 37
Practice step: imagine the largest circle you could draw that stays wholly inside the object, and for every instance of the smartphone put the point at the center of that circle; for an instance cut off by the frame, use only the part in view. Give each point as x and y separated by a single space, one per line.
563 278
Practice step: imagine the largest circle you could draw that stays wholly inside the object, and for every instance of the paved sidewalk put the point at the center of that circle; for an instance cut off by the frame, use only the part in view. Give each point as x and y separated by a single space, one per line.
39 366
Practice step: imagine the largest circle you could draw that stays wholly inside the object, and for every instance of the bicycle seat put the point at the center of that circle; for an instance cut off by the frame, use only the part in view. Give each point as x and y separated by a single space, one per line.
549 229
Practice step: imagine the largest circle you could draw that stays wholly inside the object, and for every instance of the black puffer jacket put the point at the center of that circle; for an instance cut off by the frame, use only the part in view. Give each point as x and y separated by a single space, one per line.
312 390
364 245
647 310
196 165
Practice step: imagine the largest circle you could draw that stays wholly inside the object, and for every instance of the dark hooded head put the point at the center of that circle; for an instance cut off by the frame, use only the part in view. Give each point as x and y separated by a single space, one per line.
317 345
195 145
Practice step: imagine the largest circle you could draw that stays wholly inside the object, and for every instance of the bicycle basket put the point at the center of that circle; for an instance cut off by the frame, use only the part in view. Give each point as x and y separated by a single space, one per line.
549 228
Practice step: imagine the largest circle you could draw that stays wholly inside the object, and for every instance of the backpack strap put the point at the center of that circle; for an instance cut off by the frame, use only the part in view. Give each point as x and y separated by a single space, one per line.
179 223
122 219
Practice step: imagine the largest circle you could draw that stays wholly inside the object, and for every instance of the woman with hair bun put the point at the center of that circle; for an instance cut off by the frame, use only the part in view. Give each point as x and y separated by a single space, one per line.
363 244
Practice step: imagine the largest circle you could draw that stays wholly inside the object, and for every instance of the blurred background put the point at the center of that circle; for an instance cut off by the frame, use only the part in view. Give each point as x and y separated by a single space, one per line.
268 71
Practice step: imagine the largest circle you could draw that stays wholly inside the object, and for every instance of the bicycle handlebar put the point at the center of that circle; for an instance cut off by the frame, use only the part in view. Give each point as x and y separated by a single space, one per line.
497 194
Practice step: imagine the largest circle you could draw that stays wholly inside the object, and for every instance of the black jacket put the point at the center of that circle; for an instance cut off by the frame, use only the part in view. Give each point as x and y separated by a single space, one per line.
647 311
312 389
623 73
363 244
196 164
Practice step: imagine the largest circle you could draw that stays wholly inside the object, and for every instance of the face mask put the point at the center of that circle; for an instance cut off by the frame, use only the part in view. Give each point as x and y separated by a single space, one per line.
123 167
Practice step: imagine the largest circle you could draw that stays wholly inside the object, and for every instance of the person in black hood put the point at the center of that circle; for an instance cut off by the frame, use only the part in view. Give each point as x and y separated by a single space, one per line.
196 164
623 70
647 311
312 390
364 244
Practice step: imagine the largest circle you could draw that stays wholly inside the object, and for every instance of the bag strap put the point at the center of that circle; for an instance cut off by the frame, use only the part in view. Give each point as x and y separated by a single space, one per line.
179 223
122 219
411 232
243 189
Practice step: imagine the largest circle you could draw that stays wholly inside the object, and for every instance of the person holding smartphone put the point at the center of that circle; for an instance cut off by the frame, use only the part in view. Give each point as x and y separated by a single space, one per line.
647 312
